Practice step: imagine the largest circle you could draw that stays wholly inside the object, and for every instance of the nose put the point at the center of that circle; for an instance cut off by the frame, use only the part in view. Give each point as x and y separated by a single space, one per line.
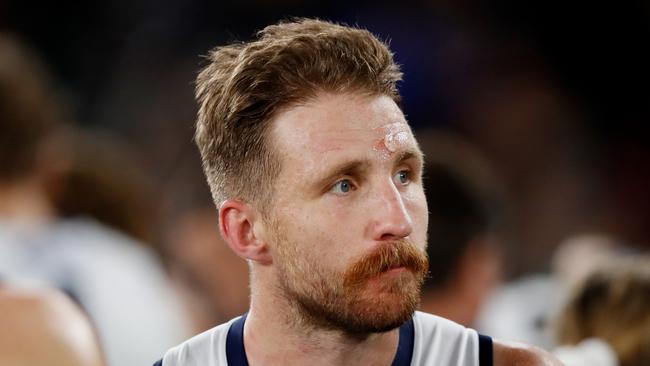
390 219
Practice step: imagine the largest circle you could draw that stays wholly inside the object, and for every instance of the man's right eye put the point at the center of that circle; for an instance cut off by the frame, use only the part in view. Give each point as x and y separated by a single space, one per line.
344 186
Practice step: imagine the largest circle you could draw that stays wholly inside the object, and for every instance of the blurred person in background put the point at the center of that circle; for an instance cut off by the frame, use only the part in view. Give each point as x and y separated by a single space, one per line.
533 132
103 181
466 211
525 309
113 277
607 318
213 280
43 327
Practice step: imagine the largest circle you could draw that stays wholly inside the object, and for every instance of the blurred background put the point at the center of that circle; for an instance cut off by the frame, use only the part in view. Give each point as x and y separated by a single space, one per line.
552 96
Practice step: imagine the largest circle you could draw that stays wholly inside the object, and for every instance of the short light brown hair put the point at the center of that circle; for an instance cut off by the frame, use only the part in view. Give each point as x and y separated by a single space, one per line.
246 84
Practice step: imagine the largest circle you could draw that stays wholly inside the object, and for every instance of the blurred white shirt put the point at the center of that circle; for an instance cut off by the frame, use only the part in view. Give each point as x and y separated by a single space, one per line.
523 310
590 352
119 282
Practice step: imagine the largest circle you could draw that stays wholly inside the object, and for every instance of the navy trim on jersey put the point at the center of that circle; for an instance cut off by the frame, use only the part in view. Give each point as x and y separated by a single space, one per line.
405 346
236 354
485 351
158 363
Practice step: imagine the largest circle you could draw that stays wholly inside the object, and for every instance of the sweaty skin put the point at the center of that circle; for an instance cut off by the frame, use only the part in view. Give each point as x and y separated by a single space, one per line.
43 327
394 136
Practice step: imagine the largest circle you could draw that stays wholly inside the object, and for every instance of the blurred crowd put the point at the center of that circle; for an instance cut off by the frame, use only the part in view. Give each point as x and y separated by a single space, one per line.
537 174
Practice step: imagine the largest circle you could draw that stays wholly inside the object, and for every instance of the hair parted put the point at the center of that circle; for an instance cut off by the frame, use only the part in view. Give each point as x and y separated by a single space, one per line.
246 84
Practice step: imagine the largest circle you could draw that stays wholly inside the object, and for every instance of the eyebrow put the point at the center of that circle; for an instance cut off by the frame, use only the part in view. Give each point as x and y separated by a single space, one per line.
410 153
346 168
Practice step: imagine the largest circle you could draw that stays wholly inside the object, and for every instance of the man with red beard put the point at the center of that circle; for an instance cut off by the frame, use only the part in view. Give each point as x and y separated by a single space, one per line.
317 178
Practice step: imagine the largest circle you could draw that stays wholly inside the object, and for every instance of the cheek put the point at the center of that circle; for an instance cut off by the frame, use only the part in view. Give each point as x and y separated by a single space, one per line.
416 203
316 231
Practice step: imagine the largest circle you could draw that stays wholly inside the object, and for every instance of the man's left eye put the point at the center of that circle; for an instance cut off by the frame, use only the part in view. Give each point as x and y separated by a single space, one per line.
402 177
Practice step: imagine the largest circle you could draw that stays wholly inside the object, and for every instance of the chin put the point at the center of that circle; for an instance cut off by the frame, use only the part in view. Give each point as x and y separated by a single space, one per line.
377 305
382 312
382 319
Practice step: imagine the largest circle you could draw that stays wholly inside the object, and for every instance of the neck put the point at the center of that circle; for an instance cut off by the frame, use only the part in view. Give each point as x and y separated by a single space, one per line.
24 202
273 336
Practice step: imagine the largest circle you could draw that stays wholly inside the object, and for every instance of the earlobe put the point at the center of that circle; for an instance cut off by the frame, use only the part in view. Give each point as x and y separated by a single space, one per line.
237 223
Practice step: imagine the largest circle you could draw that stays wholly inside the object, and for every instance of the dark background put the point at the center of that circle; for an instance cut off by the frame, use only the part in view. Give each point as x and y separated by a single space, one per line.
554 93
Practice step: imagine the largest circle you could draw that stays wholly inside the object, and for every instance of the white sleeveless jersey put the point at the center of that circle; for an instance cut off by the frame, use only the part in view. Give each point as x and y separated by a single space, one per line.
424 340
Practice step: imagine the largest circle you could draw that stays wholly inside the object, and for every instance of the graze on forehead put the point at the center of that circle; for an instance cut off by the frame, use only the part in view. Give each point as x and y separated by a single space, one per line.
393 137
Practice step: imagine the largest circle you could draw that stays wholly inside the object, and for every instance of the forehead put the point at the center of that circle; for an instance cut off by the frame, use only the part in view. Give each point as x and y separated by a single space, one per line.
335 123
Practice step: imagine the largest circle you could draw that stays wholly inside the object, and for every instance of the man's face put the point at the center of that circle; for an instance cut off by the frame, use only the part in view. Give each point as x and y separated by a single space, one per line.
349 216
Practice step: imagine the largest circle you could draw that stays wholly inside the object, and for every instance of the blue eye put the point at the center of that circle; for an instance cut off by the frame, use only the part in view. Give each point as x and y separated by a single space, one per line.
343 186
402 177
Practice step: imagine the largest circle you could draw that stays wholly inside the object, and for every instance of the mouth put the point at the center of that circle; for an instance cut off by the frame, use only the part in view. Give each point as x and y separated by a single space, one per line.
393 263
394 270
388 277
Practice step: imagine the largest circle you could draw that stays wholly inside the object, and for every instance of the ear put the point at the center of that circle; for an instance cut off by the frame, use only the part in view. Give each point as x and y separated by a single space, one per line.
239 225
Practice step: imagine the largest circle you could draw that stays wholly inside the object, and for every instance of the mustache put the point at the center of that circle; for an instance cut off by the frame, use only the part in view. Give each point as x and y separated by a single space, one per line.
393 254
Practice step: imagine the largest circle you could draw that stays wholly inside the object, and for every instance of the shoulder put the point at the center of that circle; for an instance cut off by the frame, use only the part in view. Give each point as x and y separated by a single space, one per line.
426 321
47 321
47 307
439 341
513 353
205 349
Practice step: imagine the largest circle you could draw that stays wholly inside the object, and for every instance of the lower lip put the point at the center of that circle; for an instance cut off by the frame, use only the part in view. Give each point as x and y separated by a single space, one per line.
390 275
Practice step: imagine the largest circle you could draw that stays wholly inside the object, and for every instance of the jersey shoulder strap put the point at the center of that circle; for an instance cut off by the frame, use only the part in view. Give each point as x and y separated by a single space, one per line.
485 350
205 349
439 341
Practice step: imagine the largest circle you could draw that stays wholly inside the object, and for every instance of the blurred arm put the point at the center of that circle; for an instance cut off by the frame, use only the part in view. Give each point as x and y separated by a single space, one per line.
45 327
519 354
